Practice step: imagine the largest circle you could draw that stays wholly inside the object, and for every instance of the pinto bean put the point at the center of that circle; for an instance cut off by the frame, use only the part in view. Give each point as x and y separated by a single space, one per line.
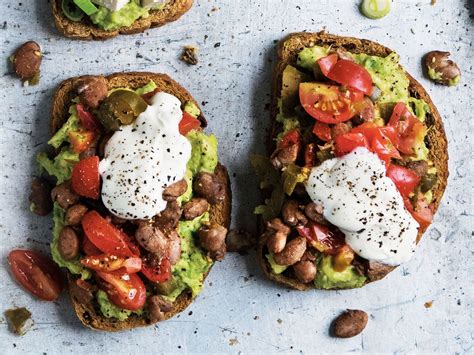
27 60
277 233
292 253
441 69
240 240
152 239
212 237
350 323
157 306
82 291
92 90
195 208
219 254
284 156
292 215
209 187
174 247
169 217
68 243
40 197
64 195
75 213
419 167
315 213
172 192
305 270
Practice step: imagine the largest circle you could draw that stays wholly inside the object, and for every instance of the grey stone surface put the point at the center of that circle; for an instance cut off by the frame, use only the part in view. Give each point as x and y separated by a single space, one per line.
239 311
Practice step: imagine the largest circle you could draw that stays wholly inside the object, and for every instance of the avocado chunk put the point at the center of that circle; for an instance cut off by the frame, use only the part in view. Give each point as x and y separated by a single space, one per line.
291 80
191 108
329 278
308 56
276 268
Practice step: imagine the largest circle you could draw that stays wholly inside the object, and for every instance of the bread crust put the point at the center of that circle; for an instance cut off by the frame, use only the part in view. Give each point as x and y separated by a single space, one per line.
86 30
89 314
288 50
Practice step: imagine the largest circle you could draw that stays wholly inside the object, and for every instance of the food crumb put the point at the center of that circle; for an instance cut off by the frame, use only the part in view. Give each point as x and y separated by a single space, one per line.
233 341
189 55
433 2
256 318
19 320
428 304
279 321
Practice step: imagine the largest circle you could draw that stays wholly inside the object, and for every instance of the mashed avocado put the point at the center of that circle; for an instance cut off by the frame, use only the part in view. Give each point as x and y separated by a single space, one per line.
204 152
109 310
61 166
146 89
74 266
276 268
126 16
62 135
308 56
190 269
191 108
328 278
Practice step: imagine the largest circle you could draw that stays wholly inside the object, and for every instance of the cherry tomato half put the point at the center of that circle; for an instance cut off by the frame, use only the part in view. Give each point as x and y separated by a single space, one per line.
81 140
105 236
326 63
86 118
85 179
162 273
322 238
124 290
322 131
352 75
107 263
410 129
36 273
328 103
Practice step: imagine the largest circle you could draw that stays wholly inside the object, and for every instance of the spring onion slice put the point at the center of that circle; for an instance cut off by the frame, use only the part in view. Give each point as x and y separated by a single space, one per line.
375 9
87 6
71 11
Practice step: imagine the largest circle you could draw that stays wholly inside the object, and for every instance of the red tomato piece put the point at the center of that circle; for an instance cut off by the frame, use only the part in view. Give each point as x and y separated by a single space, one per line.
326 63
352 75
105 236
85 179
322 238
107 263
423 213
147 97
410 129
327 103
290 138
310 157
322 131
36 273
86 118
90 249
162 273
188 123
81 140
404 179
124 290
384 147
346 143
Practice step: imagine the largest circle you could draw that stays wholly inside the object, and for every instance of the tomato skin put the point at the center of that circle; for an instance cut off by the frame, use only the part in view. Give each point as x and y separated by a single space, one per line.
86 118
343 258
36 273
188 123
352 75
160 274
107 263
410 129
326 103
346 143
322 131
126 291
104 235
423 213
322 238
81 140
384 147
291 138
90 249
147 97
326 63
405 180
85 179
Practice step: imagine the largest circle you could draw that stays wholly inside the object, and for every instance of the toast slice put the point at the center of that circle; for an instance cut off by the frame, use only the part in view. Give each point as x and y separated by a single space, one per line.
86 30
89 314
288 50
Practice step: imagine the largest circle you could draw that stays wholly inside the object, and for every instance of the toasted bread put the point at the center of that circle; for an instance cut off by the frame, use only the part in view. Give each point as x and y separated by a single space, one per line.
86 30
89 314
288 50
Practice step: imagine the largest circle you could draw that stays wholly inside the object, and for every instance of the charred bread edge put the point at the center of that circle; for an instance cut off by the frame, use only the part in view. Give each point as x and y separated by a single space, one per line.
288 50
89 314
86 30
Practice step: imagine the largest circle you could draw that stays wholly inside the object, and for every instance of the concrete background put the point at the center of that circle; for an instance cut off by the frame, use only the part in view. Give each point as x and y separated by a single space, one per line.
239 311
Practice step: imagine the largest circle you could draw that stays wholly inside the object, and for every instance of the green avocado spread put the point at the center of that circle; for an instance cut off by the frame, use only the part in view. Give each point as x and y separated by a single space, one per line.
126 16
189 272
329 278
